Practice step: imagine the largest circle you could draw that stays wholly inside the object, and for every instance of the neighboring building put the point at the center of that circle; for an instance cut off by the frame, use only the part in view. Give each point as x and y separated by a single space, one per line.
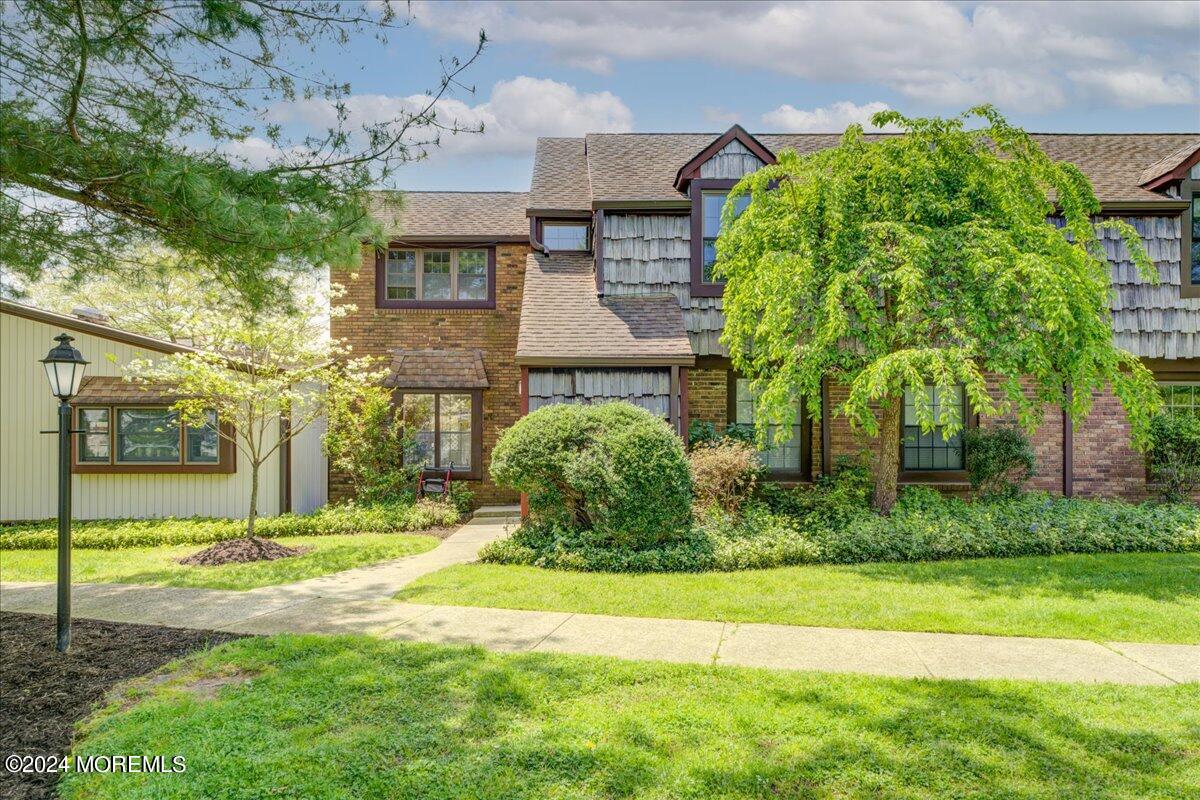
135 460
596 285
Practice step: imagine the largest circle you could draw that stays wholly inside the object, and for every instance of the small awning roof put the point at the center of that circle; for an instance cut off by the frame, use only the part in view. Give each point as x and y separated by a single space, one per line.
109 390
436 369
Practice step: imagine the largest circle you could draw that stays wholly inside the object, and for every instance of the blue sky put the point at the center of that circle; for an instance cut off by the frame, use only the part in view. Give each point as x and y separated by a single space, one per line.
563 69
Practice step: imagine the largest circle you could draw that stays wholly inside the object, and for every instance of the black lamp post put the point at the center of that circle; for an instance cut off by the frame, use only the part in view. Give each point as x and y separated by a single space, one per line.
64 369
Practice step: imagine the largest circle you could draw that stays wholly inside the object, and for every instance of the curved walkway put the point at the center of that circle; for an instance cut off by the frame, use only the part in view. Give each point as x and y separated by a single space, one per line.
358 601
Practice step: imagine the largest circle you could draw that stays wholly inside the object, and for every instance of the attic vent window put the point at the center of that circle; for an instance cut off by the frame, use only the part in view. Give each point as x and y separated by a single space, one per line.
562 236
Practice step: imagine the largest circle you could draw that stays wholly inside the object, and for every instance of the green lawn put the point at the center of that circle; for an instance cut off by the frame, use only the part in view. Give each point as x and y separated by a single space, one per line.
1137 597
157 565
356 717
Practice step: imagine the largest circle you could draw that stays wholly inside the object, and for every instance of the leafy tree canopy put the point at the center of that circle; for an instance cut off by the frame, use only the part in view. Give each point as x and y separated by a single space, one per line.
939 257
120 120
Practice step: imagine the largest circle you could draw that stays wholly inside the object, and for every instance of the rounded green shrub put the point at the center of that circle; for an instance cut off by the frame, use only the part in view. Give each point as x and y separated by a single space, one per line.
999 460
614 473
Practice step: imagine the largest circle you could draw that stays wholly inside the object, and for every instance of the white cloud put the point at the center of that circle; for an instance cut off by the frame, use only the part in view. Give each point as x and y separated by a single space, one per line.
719 116
834 118
516 113
1037 56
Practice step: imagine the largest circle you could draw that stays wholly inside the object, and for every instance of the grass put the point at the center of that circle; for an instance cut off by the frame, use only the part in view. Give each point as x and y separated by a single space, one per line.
338 717
1140 597
157 565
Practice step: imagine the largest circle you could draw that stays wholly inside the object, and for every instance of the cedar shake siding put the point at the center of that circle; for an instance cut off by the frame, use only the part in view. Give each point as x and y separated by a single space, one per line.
633 318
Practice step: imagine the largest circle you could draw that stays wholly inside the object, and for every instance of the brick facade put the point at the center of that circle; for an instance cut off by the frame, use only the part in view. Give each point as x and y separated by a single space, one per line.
1105 462
374 331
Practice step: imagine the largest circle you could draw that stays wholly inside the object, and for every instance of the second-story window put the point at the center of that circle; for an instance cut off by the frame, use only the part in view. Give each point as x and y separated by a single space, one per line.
436 275
710 221
562 236
1191 233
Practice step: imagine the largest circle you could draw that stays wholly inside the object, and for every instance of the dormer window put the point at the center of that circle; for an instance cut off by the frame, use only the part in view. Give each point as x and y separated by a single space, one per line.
713 201
708 200
1190 190
565 236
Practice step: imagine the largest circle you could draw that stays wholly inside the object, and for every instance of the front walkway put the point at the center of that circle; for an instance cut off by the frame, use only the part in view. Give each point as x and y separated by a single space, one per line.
358 601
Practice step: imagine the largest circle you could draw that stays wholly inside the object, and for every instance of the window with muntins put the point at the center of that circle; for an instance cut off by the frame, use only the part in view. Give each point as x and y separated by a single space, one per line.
436 275
787 457
146 438
712 203
1181 398
562 236
934 450
448 430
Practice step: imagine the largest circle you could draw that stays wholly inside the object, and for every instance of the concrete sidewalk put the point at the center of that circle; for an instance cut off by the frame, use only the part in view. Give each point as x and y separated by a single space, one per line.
358 601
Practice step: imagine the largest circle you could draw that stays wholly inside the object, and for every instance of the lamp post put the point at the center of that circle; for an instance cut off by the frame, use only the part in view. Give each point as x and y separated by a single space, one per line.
64 369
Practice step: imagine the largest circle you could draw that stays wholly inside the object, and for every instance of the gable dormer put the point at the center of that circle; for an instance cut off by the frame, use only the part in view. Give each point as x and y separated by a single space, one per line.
730 156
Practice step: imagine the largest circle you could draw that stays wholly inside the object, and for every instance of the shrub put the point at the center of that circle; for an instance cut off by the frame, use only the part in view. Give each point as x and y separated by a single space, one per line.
366 440
724 473
613 472
703 432
832 501
1174 455
924 526
999 460
113 534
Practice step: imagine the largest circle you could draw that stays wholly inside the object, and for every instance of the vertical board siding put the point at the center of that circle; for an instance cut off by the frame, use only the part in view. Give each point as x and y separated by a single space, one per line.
310 467
649 388
651 254
29 460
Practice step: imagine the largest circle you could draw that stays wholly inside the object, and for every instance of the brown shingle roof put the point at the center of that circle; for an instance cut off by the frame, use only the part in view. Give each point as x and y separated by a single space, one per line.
641 167
564 322
1169 162
436 369
560 176
115 389
451 215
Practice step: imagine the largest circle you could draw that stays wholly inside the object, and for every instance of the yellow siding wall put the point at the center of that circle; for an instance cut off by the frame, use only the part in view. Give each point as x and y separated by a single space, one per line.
28 460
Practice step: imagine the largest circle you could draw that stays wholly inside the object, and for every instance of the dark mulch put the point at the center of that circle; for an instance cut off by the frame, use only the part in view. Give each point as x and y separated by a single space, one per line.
43 693
241 551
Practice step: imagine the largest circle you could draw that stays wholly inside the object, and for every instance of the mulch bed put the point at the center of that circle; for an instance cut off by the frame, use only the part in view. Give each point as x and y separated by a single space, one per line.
43 693
241 551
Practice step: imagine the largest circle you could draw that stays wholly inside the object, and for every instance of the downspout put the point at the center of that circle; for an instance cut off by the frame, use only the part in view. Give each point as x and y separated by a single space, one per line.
1068 476
534 242
598 250
826 457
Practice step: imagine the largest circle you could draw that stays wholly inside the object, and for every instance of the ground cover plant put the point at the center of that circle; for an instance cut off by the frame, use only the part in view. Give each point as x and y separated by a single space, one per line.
831 523
47 692
1129 597
336 717
168 565
337 519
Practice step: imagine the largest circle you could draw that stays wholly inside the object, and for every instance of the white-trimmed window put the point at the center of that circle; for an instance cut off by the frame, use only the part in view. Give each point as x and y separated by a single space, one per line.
436 275
565 236
1181 398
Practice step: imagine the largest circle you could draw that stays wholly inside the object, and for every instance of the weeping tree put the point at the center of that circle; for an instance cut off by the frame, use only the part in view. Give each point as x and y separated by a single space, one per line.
937 258
132 122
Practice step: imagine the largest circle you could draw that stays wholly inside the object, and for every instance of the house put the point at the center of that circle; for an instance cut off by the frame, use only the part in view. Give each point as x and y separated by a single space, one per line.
595 285
134 460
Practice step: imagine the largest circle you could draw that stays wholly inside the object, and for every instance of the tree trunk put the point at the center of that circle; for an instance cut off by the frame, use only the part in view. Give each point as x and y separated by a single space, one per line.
885 463
250 518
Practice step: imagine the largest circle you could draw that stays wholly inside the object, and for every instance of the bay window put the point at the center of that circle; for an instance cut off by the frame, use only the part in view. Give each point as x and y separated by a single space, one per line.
147 438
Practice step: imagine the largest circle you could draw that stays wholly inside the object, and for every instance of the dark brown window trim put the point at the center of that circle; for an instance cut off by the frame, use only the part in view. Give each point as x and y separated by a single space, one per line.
939 477
540 232
475 473
1189 189
381 298
802 475
691 170
700 288
226 462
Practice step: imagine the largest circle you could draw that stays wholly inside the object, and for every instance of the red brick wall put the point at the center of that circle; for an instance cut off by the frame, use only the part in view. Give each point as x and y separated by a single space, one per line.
708 398
374 331
1106 463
